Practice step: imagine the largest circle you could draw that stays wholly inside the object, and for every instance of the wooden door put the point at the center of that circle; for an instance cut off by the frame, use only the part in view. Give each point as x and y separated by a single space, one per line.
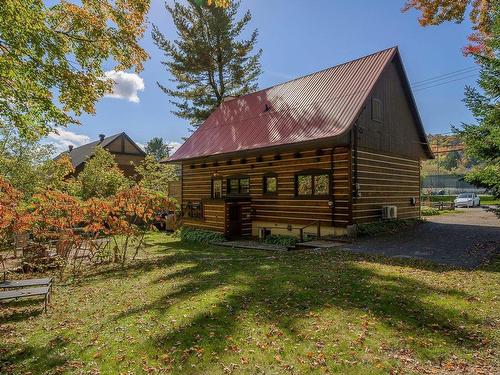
235 220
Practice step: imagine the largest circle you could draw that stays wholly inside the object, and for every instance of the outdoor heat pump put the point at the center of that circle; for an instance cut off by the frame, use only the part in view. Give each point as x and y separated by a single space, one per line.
389 212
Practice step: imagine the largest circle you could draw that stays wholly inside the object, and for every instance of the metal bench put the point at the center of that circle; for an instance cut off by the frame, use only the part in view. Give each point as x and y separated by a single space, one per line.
26 293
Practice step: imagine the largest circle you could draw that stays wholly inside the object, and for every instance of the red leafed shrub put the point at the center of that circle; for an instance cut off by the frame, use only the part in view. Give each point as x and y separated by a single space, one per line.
131 216
13 218
55 215
76 229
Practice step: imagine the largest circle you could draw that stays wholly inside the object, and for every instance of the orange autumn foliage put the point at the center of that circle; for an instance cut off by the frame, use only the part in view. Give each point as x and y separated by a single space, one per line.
53 216
435 12
13 217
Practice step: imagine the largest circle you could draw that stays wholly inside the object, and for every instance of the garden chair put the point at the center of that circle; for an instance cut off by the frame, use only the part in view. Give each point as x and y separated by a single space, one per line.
21 241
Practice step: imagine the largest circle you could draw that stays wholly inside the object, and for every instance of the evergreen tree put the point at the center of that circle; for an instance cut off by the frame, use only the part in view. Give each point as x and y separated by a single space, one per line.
208 60
157 148
482 141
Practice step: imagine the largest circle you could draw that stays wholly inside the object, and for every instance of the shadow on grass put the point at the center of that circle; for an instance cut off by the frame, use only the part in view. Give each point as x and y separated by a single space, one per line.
46 357
288 288
17 310
275 289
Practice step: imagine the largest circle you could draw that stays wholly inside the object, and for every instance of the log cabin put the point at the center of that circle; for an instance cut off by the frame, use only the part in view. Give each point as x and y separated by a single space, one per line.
317 154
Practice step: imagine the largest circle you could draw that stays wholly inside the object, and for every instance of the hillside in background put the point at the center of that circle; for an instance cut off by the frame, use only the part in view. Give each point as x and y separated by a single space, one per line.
449 159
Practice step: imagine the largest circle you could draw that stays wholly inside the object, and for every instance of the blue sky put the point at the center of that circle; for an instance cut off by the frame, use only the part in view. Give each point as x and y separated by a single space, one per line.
300 37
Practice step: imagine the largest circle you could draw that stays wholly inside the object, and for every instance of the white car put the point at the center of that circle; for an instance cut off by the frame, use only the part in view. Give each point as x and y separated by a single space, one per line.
467 200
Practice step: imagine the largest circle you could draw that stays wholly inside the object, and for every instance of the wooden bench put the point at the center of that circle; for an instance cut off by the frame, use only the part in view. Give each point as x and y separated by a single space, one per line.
11 284
27 288
27 293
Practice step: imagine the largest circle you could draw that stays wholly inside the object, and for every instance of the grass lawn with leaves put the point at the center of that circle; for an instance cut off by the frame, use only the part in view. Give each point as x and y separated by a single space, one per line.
187 308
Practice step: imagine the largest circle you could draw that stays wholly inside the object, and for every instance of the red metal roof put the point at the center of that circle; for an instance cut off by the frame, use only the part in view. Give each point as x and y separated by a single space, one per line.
320 105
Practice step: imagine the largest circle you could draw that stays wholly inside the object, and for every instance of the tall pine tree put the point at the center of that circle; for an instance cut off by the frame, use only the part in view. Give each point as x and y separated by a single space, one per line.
482 141
209 60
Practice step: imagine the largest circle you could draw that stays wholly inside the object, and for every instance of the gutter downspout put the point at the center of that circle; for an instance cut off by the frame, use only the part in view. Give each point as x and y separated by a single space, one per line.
354 142
331 201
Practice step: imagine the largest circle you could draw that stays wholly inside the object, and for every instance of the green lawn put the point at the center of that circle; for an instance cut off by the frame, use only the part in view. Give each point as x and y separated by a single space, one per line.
187 308
432 211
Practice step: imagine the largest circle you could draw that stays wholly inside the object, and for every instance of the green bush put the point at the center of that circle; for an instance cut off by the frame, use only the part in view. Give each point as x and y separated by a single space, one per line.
389 226
429 211
199 235
281 240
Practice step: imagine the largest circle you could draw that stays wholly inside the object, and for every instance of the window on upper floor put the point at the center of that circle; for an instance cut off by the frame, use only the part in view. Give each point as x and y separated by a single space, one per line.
377 110
270 183
217 187
238 185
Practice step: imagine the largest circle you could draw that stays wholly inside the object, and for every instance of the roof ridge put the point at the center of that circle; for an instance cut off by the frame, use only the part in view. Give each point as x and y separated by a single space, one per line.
317 72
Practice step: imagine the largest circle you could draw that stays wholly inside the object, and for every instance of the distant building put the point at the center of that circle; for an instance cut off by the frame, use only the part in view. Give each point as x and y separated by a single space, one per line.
448 185
124 149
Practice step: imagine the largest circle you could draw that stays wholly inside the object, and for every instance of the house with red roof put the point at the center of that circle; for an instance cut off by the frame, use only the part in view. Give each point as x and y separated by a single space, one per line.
313 155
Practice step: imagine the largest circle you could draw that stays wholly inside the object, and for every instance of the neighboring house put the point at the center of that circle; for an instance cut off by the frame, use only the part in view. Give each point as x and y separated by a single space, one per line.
124 149
331 147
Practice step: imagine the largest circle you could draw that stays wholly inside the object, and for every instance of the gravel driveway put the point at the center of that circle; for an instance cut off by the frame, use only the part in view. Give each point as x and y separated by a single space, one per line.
465 239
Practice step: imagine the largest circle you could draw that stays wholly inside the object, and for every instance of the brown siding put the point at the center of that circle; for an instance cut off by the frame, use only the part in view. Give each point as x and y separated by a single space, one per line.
341 186
174 190
386 180
285 207
214 216
398 133
125 163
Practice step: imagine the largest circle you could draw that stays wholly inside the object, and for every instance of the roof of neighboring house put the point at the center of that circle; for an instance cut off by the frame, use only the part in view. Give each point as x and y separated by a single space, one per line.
320 105
80 154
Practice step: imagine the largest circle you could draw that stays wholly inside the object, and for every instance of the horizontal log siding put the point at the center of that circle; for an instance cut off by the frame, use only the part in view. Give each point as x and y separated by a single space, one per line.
214 216
341 186
284 207
386 180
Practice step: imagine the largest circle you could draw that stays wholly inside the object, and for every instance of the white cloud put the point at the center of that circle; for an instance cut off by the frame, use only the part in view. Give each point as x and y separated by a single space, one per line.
126 86
174 146
141 145
61 139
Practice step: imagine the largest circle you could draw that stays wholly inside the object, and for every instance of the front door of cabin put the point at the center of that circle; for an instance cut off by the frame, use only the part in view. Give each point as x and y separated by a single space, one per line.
235 220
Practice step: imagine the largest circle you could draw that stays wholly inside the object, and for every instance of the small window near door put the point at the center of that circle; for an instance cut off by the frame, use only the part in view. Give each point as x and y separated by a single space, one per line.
217 188
194 210
377 110
238 185
312 184
270 184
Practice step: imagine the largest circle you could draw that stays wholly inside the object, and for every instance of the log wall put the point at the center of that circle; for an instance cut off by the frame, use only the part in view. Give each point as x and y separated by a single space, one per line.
385 180
284 207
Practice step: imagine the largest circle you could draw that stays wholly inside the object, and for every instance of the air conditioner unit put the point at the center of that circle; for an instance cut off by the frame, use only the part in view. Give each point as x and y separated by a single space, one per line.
389 212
